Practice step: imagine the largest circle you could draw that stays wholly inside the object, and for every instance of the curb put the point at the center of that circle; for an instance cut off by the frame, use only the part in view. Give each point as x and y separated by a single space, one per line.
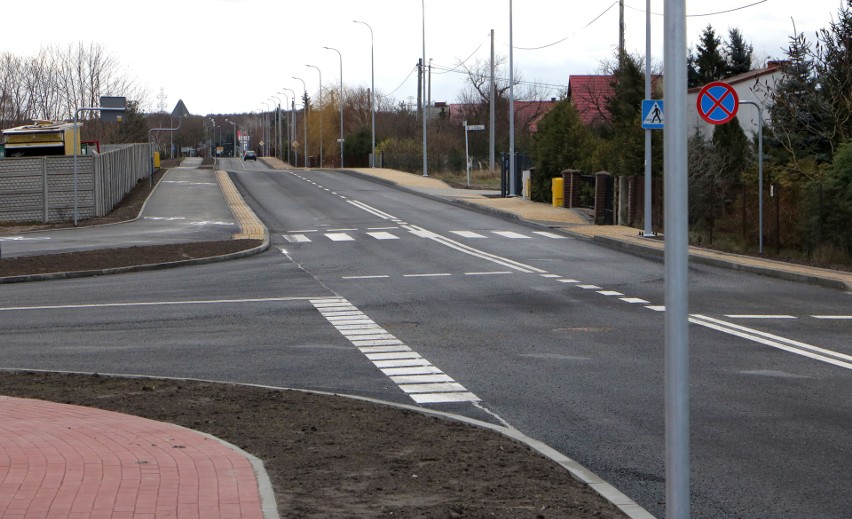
629 507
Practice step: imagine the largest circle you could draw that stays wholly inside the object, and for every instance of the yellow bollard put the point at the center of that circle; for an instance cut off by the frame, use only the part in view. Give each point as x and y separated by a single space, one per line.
156 160
558 188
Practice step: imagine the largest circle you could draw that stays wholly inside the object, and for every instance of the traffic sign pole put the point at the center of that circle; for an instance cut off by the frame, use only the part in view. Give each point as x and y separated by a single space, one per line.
759 170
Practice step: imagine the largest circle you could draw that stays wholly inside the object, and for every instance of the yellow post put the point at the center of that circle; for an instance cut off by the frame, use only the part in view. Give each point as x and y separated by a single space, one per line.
558 188
156 160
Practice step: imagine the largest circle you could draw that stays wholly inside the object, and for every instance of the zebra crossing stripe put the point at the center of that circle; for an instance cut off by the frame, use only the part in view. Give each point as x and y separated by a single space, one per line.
417 377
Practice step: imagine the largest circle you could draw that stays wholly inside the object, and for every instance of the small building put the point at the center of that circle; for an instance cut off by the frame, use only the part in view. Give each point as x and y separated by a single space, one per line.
42 138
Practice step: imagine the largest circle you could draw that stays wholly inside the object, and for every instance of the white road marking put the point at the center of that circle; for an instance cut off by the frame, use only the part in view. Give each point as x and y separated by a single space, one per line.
512 235
468 234
305 231
495 273
569 281
296 238
341 230
24 238
589 287
830 317
372 210
634 300
382 228
609 293
435 275
758 316
383 235
799 348
551 235
416 376
551 276
656 308
364 277
153 303
339 236
164 218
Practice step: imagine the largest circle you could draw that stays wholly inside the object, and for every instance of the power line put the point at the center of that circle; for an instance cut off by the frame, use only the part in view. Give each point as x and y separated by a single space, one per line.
466 59
706 14
596 18
403 82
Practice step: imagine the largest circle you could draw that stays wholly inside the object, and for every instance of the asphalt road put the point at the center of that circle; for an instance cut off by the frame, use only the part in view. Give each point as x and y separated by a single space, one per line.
555 336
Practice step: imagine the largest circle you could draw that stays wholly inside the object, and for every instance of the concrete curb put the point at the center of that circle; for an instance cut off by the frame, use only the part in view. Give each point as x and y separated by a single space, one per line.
629 507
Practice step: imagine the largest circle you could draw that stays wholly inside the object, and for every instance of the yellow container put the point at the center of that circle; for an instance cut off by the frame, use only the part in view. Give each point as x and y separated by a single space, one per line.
156 160
558 188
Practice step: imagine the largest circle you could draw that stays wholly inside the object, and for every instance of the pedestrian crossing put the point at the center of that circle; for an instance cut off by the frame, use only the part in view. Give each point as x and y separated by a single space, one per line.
309 236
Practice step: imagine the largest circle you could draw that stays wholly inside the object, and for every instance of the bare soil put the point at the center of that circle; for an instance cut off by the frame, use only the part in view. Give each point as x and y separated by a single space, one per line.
327 456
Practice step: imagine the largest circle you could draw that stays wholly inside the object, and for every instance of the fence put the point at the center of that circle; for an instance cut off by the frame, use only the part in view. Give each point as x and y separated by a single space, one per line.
41 189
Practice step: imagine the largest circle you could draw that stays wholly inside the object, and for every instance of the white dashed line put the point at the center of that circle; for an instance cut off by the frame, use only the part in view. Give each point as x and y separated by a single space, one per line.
589 287
435 275
339 236
383 235
417 377
551 276
511 235
468 234
757 316
551 235
656 308
832 317
296 238
569 281
364 277
496 273
634 300
609 293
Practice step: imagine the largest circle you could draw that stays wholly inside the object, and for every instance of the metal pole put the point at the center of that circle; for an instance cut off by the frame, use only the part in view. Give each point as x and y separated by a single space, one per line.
291 124
340 101
676 263
512 187
372 95
491 110
275 128
466 154
425 162
76 151
759 169
305 118
321 161
648 217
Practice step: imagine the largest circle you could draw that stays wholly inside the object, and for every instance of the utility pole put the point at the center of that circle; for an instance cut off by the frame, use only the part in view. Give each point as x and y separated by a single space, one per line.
491 110
419 88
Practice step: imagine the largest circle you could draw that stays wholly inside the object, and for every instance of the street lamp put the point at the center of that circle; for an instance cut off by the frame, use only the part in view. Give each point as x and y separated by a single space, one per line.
292 129
277 125
372 95
286 125
213 142
423 97
340 101
305 117
266 133
235 136
320 108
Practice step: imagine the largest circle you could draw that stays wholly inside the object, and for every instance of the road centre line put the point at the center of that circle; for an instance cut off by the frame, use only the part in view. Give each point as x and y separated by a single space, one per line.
435 275
757 316
799 348
155 303
397 359
833 317
364 277
493 273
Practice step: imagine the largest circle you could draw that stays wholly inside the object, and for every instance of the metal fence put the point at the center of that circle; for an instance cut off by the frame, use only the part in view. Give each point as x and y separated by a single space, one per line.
41 189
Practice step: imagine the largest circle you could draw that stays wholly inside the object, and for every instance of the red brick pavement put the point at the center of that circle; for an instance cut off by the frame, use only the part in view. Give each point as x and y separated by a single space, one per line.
63 461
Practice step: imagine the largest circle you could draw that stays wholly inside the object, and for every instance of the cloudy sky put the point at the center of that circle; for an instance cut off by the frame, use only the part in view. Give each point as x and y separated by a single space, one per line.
229 56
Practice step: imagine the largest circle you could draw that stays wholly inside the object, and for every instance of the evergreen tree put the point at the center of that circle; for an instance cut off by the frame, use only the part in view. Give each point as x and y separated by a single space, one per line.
710 64
625 108
738 53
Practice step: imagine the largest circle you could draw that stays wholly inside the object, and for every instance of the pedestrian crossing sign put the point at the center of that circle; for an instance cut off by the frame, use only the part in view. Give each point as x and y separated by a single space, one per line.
652 114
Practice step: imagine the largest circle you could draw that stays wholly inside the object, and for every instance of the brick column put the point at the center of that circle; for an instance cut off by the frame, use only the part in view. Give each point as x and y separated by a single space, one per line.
601 179
572 184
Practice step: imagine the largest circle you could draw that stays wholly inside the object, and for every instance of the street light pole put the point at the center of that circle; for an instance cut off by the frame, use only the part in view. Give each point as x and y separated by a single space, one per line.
340 101
235 135
305 117
372 94
291 125
423 98
213 142
266 135
320 109
277 125
286 126
512 187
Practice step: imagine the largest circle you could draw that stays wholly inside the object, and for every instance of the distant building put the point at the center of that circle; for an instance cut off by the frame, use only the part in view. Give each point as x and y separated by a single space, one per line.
527 113
589 95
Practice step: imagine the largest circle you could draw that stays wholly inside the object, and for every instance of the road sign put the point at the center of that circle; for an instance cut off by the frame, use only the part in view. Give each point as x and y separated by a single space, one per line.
717 102
475 127
652 114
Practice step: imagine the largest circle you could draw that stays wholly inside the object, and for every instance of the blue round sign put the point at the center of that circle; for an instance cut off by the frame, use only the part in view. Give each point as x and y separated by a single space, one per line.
717 102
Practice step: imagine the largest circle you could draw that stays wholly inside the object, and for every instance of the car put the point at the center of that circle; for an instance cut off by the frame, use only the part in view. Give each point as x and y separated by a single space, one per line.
250 155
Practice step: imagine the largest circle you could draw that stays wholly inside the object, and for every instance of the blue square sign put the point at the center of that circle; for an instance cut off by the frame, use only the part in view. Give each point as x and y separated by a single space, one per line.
652 114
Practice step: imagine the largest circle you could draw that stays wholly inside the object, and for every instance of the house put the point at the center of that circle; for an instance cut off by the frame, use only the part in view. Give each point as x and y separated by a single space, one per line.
527 113
754 85
589 94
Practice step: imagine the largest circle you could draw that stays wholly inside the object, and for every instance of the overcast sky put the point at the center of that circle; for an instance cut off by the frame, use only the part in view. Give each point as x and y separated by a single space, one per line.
229 56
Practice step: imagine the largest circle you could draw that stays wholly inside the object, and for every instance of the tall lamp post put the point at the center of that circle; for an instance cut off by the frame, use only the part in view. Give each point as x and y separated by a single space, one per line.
320 108
266 132
213 142
372 94
423 97
305 117
277 125
340 101
286 127
292 126
235 136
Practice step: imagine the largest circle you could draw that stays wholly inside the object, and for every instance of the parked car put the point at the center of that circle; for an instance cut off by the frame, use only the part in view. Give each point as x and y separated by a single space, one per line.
250 155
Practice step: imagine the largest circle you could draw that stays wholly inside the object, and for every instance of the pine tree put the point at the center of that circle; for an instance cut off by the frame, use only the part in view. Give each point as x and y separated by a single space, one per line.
738 53
709 62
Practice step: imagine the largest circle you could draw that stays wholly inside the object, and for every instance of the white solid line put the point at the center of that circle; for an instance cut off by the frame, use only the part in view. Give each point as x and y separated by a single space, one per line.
487 273
339 236
363 277
656 308
436 398
384 349
395 355
416 370
839 317
634 300
511 234
609 293
440 387
383 235
154 303
440 274
589 287
420 379
468 234
550 235
757 316
401 363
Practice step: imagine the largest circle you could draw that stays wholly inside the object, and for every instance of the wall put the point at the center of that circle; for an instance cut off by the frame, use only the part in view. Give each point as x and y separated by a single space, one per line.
41 189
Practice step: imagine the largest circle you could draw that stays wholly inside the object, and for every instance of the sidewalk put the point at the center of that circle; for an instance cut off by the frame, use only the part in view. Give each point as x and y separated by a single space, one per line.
68 461
615 236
